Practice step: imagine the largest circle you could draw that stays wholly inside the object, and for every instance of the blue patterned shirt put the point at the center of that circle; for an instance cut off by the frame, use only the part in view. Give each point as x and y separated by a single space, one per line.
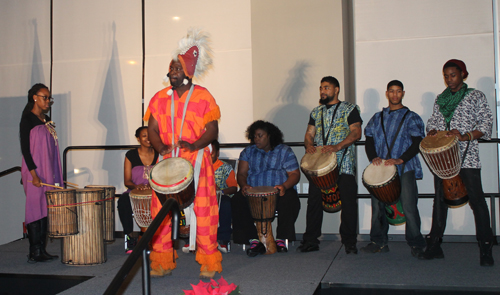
269 168
413 126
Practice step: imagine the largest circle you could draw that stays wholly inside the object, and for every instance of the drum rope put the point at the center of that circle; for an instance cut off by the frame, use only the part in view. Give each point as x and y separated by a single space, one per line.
78 204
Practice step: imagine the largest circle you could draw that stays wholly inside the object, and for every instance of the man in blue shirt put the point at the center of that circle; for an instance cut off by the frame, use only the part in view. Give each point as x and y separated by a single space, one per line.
396 125
266 162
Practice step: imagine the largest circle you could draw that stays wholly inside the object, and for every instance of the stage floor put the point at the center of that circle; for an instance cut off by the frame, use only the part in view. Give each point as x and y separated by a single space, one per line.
320 272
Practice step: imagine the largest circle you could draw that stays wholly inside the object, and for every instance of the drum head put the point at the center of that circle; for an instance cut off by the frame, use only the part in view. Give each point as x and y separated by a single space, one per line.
56 191
439 142
171 175
318 164
141 192
378 175
262 191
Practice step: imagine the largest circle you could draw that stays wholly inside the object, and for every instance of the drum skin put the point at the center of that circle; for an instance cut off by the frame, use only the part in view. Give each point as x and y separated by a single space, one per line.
322 170
262 201
382 182
61 221
173 178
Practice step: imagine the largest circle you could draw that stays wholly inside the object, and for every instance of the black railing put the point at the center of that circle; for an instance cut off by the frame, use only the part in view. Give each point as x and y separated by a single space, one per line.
10 170
169 205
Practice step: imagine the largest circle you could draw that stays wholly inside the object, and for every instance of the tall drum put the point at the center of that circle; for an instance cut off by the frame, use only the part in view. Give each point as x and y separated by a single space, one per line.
442 155
262 201
61 213
87 247
321 169
109 211
173 178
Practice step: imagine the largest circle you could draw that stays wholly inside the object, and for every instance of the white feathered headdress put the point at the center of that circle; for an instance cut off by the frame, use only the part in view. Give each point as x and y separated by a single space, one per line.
194 53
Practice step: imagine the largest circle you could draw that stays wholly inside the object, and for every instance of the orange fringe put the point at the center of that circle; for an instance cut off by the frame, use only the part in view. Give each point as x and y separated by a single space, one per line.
213 115
211 262
165 259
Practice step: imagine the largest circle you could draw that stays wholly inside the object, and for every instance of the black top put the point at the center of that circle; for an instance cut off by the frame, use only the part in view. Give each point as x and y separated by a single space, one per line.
411 152
28 122
135 159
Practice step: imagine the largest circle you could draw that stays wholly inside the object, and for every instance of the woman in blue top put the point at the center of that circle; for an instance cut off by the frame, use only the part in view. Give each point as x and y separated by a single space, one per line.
266 162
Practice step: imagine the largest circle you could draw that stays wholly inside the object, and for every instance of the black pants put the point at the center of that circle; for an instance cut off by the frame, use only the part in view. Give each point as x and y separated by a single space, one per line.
125 213
288 208
472 181
348 190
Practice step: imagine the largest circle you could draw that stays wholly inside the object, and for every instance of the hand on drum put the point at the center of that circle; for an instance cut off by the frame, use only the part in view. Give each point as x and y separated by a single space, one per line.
394 162
186 146
166 149
143 187
457 134
245 188
433 132
310 149
281 188
330 149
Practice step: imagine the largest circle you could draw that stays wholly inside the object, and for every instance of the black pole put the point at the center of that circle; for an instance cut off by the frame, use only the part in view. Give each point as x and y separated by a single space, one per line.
146 280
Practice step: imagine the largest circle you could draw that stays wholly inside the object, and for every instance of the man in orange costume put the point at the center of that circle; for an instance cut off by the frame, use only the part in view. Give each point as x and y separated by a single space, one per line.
199 126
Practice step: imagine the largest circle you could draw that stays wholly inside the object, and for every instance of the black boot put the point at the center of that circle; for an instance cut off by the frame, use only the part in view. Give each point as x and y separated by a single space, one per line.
43 238
433 250
485 255
34 236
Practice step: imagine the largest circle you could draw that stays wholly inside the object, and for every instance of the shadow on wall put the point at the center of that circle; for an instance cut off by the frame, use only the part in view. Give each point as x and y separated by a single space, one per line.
292 117
427 103
371 102
111 114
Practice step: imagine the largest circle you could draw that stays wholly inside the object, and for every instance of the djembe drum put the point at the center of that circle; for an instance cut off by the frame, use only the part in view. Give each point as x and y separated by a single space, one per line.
384 184
262 201
87 247
61 213
442 155
141 206
109 211
173 178
321 169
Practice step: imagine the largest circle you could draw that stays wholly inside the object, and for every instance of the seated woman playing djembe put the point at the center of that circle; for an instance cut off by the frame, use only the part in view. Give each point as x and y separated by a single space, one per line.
138 163
267 174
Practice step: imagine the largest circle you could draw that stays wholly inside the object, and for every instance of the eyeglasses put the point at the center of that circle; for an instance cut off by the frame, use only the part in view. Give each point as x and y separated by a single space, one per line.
46 97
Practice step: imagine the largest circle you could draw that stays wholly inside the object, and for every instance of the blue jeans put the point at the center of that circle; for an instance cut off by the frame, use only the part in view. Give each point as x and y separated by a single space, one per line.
409 200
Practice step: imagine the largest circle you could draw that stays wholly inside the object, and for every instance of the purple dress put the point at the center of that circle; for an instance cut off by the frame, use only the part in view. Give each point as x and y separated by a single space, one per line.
45 154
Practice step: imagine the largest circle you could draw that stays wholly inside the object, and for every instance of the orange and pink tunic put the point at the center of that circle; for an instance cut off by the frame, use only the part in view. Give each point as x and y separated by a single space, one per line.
201 110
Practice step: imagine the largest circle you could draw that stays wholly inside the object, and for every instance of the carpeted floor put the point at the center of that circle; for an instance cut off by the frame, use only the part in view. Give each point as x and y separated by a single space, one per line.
328 271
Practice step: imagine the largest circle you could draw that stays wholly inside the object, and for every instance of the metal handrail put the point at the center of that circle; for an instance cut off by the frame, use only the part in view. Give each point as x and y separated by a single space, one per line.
169 205
10 170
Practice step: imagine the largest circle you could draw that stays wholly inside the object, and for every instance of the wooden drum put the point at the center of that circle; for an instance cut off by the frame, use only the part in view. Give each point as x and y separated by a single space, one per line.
262 201
141 206
173 178
109 211
87 247
442 155
382 182
321 169
61 216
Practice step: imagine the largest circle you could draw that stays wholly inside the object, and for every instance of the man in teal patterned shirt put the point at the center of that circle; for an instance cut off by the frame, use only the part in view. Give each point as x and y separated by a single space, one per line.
335 125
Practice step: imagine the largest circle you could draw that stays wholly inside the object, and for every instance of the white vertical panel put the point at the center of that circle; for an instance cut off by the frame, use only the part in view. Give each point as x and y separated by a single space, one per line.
97 83
24 61
230 81
410 41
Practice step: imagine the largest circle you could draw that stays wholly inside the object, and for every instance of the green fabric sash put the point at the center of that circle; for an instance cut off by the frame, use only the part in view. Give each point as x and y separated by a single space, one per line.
448 102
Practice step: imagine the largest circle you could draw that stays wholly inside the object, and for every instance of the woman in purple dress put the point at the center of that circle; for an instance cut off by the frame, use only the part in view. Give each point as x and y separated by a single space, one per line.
138 163
41 164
